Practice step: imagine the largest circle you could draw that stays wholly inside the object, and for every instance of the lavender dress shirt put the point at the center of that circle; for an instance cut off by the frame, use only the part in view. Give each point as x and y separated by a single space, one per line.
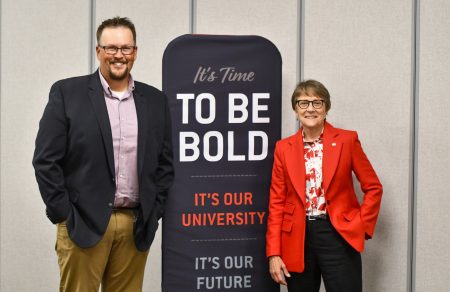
124 128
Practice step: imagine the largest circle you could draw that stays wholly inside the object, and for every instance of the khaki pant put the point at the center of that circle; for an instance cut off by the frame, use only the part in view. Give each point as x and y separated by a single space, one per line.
114 262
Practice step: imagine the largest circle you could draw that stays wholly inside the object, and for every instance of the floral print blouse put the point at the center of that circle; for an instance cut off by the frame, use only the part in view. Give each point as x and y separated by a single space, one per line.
315 197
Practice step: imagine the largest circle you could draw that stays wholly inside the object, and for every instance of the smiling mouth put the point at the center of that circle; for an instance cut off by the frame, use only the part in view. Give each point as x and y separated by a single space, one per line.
118 64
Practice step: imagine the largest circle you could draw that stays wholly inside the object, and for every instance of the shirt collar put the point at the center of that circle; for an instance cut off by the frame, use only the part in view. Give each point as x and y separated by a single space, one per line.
318 140
107 89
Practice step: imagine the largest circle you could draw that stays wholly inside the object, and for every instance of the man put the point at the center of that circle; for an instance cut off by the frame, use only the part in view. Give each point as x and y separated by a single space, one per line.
103 162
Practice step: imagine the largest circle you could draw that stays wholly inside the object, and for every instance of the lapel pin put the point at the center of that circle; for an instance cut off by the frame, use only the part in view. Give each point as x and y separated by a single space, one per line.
333 144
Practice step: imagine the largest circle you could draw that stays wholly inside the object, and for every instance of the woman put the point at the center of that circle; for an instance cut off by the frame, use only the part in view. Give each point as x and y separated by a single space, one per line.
316 226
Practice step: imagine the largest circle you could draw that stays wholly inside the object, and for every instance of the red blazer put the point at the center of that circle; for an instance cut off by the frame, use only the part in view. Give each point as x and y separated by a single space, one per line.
342 155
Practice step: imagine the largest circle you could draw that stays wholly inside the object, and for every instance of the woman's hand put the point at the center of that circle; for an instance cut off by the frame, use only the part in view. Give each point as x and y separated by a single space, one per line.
278 270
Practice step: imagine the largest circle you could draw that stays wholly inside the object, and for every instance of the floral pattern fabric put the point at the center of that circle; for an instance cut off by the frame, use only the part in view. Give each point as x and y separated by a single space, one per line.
315 197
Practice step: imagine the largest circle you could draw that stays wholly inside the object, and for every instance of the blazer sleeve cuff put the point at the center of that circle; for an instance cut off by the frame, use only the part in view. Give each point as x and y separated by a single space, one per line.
58 215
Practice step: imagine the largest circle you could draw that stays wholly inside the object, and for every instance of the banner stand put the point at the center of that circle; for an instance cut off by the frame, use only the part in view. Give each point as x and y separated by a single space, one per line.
224 94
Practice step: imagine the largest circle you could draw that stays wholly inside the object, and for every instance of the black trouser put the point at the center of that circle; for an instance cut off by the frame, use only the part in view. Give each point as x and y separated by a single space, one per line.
328 255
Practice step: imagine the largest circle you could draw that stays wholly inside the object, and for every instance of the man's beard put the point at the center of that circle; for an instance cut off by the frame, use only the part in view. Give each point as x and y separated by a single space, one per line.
121 76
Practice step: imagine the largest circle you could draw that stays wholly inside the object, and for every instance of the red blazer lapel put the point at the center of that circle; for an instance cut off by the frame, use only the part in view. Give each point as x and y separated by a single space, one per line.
331 152
295 164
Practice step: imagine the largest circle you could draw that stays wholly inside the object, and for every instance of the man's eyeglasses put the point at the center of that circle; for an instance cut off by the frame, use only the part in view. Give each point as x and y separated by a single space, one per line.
303 104
112 50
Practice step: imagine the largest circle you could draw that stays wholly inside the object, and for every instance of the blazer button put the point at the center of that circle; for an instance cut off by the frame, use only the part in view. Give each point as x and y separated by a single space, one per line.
110 204
113 179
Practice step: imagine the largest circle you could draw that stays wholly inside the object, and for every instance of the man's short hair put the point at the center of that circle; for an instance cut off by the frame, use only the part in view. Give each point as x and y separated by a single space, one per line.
116 22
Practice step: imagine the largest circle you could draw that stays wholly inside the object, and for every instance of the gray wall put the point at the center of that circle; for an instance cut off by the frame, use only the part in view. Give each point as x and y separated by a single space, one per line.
386 66
433 155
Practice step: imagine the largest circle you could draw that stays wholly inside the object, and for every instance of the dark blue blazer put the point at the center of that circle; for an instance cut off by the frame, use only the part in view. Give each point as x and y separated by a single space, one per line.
74 161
